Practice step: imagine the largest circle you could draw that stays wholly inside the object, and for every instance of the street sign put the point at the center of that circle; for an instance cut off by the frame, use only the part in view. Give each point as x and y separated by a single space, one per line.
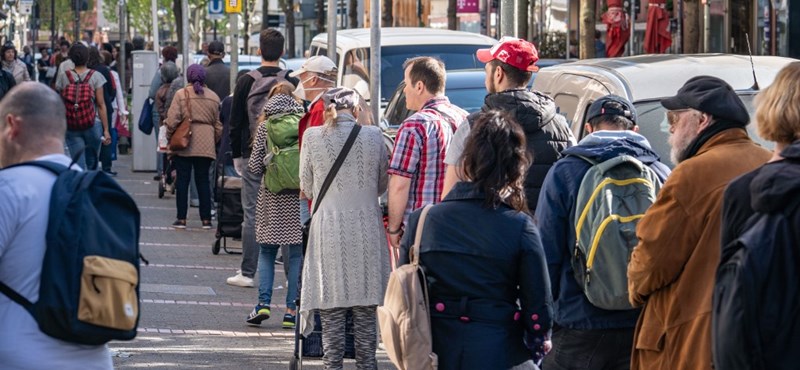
216 9
233 6
25 6
467 6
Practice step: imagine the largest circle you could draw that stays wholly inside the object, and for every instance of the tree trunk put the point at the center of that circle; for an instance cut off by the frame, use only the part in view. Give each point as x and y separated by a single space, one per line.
246 7
178 11
691 27
533 33
388 13
452 15
264 14
321 13
286 7
352 13
522 18
588 19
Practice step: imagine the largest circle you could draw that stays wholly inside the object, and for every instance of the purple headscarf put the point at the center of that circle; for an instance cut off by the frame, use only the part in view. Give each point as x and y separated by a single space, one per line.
196 75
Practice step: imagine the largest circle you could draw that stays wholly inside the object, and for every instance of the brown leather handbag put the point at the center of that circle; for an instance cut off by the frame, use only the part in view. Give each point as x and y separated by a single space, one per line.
183 134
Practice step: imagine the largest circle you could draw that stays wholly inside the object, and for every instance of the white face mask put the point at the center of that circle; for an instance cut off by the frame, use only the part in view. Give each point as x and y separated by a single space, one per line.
300 92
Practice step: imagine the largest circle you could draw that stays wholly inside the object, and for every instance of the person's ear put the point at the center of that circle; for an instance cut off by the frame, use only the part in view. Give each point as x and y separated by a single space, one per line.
635 128
499 76
705 121
588 128
12 126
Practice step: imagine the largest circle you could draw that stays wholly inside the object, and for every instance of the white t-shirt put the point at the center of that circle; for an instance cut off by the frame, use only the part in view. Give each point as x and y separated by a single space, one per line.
456 148
24 203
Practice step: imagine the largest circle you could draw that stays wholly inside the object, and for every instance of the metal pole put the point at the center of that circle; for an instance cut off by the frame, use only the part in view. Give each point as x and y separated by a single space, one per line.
375 60
53 28
156 27
507 8
122 61
234 22
633 27
215 30
680 26
332 29
706 26
185 36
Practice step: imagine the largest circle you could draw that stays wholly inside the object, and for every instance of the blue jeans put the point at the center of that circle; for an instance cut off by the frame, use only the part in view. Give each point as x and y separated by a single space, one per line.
292 257
89 141
305 214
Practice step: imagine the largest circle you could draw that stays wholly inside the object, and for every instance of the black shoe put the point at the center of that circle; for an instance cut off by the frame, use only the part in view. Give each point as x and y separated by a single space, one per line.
110 173
157 178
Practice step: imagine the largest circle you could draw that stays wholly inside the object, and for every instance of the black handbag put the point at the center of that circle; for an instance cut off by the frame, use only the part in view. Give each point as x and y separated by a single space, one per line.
329 179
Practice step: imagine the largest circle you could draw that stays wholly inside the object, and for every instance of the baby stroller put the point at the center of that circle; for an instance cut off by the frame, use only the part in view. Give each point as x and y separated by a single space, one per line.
230 214
166 184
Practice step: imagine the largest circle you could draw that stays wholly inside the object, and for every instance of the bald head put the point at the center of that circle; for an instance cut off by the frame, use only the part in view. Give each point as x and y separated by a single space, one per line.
32 123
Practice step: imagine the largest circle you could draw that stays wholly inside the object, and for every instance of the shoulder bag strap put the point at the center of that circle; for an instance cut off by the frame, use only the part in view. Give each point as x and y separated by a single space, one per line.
188 105
336 165
414 252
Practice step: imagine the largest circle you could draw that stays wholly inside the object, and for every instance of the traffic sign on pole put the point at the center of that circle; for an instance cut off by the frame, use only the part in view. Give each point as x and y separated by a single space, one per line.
216 9
233 6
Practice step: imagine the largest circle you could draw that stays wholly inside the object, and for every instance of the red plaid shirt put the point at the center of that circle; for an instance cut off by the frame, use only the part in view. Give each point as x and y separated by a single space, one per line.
419 150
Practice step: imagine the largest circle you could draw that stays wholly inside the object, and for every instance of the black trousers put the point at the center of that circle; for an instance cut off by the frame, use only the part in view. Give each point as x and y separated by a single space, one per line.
603 349
201 166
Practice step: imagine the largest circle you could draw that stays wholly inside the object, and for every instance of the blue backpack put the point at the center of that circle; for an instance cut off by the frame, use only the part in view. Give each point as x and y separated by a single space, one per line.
90 274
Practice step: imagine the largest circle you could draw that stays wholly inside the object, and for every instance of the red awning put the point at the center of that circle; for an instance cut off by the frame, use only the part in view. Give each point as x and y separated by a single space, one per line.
618 29
657 38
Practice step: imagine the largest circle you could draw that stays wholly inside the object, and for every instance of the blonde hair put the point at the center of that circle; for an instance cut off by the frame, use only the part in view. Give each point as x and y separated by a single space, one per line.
283 87
778 107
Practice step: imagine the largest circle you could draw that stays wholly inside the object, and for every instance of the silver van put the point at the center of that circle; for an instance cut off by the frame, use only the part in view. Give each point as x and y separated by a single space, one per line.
645 79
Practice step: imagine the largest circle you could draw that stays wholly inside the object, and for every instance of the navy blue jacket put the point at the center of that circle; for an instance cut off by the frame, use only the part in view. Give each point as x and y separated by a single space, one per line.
555 217
479 263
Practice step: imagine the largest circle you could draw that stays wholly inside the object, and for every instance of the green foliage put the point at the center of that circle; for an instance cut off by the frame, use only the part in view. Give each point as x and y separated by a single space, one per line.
554 45
65 14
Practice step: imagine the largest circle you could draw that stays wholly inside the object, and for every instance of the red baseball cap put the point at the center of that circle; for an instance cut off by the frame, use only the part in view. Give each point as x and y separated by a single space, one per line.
515 52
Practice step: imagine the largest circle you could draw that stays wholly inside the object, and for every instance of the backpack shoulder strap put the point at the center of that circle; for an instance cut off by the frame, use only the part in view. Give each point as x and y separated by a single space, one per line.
413 254
587 159
69 76
16 297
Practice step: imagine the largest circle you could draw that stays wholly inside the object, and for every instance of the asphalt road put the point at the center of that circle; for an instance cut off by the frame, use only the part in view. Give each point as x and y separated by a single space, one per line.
191 319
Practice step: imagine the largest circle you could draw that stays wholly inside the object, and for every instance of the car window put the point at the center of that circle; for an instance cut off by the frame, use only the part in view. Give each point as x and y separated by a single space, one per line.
653 125
470 100
567 105
356 64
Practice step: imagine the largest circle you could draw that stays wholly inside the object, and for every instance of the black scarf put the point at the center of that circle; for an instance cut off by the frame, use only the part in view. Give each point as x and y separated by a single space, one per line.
698 142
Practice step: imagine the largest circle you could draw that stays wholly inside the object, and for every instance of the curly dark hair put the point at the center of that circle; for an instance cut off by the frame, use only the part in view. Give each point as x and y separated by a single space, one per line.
79 54
496 161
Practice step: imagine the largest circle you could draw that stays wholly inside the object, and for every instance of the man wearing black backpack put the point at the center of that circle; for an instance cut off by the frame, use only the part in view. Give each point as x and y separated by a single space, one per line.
32 127
244 112
607 331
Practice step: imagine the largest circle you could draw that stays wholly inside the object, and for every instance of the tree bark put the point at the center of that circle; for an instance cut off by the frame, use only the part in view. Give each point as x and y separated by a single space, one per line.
388 13
533 33
264 14
691 27
352 13
178 11
286 6
588 19
452 15
522 18
321 16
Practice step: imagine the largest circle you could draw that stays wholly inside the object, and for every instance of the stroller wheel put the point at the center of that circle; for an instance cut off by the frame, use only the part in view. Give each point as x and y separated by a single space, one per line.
215 247
160 190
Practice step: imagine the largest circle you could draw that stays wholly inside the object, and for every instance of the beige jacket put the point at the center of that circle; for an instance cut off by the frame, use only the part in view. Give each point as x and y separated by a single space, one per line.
672 270
206 127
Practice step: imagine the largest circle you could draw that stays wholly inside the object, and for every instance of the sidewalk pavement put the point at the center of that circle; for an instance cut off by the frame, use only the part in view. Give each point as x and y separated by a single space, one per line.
191 319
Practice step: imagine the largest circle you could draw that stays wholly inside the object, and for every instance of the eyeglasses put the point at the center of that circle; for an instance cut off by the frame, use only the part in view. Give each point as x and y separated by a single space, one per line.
674 115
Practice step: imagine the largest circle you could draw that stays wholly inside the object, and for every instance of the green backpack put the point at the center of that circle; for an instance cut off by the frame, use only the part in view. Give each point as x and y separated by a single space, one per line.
283 170
612 198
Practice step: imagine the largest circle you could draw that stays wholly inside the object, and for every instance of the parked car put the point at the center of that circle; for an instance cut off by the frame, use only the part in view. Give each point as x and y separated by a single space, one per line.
645 80
455 48
464 88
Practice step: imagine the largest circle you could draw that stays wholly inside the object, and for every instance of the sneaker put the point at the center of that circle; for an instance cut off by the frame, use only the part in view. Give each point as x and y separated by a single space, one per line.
259 314
206 224
279 260
289 321
110 173
179 224
240 280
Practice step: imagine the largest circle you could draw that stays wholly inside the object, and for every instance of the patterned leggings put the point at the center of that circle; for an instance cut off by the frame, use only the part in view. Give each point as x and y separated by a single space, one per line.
365 335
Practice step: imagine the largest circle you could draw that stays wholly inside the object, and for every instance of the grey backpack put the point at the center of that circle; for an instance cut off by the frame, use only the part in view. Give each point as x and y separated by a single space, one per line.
612 198
259 92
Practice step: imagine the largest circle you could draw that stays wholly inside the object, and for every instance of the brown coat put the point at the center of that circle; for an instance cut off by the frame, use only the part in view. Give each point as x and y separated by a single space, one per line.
672 269
206 127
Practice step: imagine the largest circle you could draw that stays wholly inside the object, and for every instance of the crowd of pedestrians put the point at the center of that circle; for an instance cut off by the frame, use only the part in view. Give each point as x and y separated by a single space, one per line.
540 250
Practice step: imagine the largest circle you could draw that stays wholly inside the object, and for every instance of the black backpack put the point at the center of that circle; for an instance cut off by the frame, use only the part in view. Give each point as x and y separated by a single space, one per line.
756 302
90 274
